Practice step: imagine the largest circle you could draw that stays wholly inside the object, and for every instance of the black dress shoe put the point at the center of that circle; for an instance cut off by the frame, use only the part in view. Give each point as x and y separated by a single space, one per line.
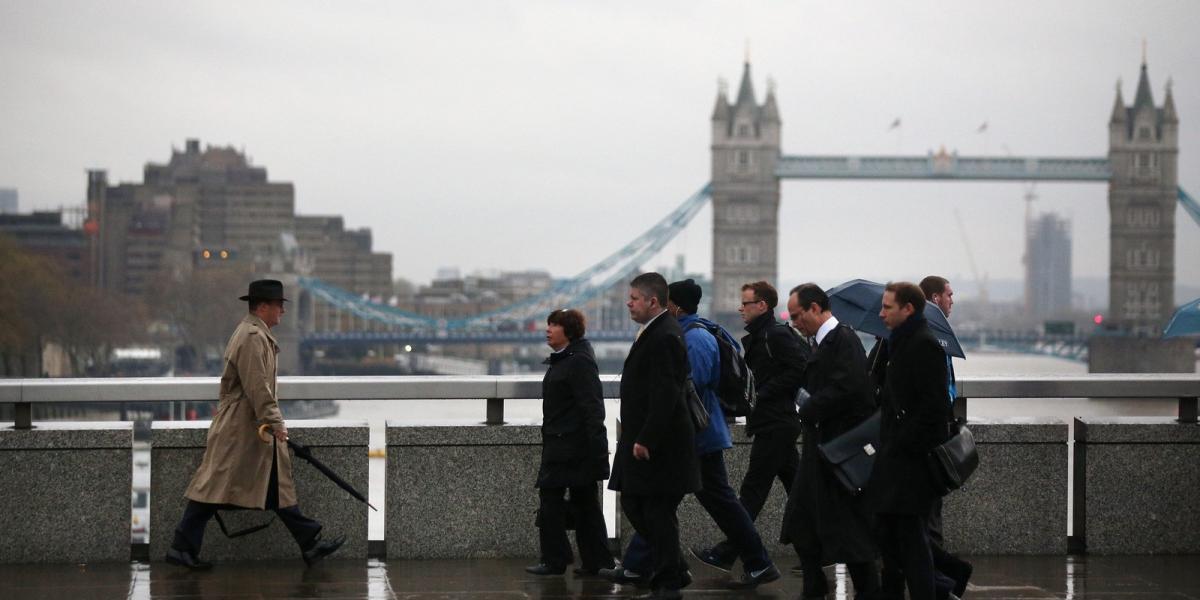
621 576
184 558
961 575
588 572
753 579
321 549
545 569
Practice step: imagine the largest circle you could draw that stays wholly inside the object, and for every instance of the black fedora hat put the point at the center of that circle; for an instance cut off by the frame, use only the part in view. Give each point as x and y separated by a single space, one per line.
265 289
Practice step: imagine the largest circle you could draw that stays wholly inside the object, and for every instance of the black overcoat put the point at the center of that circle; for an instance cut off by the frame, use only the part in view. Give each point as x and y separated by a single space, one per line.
914 419
822 518
574 439
654 415
777 357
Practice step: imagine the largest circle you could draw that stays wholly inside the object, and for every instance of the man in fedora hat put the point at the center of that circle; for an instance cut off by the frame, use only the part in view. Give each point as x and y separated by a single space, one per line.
239 470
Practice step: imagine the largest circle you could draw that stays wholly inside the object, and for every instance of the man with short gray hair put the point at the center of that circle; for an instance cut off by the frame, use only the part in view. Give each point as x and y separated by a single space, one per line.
655 464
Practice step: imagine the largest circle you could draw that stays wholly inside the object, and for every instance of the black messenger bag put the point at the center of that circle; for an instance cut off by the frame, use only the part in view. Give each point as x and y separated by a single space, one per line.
952 463
852 454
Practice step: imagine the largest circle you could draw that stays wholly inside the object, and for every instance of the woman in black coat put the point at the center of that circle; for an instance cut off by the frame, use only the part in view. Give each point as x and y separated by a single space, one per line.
574 451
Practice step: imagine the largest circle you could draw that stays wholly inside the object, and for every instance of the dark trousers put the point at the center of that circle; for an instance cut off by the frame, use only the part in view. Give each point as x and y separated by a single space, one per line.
863 575
719 500
944 562
904 545
946 567
654 519
773 455
591 536
189 534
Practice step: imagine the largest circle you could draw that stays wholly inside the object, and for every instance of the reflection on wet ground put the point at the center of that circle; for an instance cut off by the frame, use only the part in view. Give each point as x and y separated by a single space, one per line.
1045 577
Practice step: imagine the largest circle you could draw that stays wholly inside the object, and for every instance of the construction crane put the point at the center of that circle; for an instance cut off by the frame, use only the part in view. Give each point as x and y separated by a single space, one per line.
981 282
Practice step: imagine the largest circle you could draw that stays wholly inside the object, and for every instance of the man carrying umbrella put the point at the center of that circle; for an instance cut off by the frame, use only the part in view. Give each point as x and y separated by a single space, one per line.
823 521
238 469
940 294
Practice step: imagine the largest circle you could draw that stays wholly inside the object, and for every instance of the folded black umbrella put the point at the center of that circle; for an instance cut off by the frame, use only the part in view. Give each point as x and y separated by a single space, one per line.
306 453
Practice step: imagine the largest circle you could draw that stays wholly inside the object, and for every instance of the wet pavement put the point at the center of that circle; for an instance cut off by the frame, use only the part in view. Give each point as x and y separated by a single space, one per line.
1046 577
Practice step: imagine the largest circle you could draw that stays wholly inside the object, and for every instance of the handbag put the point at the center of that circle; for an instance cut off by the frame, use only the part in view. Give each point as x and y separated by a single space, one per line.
953 462
852 454
695 406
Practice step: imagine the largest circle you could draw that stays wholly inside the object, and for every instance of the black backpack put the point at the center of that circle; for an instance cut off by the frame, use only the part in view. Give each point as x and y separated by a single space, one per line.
735 390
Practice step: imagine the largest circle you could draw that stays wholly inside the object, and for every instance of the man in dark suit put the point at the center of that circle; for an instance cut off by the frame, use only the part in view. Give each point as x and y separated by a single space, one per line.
823 521
914 417
938 291
655 464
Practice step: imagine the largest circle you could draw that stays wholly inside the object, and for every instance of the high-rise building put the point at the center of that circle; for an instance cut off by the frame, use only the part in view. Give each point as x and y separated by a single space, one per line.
44 234
342 258
213 205
1048 267
8 201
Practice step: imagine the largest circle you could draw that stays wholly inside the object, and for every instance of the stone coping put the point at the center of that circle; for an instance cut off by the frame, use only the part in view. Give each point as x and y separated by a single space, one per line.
68 435
1009 430
463 433
1020 430
317 432
1137 430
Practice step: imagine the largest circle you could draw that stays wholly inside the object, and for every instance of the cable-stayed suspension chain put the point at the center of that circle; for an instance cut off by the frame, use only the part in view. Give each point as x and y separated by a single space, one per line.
585 286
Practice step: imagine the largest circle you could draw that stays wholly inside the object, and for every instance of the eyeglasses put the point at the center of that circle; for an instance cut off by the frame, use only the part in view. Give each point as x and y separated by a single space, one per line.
749 302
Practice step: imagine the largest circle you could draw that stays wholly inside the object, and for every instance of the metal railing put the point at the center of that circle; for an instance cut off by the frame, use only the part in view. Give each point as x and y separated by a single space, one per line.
1185 387
24 393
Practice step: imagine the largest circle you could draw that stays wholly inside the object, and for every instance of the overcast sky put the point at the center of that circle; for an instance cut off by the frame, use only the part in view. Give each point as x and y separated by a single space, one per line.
514 135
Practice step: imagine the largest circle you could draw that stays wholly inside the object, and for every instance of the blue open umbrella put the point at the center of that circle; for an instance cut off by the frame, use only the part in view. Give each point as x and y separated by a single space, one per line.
857 303
1185 321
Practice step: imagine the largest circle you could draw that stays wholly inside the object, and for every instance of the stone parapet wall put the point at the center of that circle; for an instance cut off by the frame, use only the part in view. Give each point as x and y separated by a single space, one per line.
459 490
1016 502
177 449
1141 477
65 492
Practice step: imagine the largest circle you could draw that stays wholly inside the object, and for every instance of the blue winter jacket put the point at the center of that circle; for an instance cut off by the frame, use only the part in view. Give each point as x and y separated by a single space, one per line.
705 360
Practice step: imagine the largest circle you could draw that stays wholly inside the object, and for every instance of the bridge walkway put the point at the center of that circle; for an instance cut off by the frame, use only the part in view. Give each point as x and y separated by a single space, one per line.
996 578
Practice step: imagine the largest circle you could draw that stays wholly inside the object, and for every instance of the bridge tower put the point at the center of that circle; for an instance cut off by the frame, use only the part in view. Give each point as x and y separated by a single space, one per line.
745 195
1143 151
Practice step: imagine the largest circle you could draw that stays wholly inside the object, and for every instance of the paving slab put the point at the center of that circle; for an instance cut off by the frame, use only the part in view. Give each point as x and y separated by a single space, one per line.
996 578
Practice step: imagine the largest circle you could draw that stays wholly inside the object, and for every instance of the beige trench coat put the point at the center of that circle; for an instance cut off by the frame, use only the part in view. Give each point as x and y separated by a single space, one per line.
237 463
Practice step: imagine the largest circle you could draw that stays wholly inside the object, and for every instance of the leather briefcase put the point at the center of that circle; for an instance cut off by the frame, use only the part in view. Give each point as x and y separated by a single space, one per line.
952 463
852 454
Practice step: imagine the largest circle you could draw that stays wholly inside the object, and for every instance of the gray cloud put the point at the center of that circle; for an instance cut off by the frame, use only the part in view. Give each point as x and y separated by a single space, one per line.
542 134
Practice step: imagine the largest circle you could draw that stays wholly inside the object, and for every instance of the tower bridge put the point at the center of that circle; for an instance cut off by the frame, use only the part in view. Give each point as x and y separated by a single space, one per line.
748 163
